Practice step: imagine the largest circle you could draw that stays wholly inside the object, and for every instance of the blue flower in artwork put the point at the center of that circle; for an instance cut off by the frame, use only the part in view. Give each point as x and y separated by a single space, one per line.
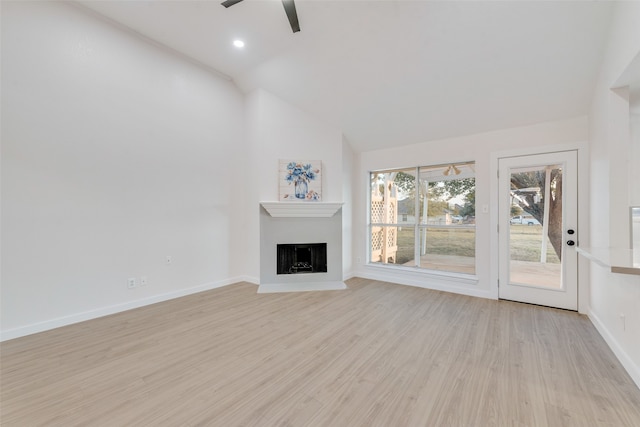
300 172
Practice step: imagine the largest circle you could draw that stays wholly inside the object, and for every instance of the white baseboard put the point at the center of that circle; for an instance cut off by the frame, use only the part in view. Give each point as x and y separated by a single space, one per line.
249 279
271 288
632 369
349 275
112 309
457 284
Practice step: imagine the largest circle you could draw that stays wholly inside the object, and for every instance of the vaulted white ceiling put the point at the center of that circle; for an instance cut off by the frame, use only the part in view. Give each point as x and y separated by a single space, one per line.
394 72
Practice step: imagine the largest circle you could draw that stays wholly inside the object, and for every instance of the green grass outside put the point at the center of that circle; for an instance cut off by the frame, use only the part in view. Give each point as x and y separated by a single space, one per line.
525 243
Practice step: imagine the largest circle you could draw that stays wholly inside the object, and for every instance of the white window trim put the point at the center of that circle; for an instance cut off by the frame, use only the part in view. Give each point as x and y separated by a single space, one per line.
404 270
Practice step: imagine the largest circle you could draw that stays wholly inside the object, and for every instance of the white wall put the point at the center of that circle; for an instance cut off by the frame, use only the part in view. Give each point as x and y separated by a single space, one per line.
348 169
634 145
614 294
115 154
481 148
277 130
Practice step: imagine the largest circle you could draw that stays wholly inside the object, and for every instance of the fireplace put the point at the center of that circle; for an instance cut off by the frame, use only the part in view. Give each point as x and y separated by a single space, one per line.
300 247
301 258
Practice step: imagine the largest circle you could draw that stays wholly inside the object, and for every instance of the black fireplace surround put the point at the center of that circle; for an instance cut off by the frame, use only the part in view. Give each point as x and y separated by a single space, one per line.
297 258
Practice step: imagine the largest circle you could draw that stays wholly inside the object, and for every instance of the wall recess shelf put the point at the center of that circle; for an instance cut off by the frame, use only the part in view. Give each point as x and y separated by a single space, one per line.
301 210
622 261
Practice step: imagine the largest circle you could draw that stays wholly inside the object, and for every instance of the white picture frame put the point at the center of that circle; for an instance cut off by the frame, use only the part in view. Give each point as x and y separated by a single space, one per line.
300 180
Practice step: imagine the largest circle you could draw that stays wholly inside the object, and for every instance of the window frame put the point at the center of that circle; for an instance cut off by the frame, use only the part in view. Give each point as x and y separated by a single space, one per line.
417 226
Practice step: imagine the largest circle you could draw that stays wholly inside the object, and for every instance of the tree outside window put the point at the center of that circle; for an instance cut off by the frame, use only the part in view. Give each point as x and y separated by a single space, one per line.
437 210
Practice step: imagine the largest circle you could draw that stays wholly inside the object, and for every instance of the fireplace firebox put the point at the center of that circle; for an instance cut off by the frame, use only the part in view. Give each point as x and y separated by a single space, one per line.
300 258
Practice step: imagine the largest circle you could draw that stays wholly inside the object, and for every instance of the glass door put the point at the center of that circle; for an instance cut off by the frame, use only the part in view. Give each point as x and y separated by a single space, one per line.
537 229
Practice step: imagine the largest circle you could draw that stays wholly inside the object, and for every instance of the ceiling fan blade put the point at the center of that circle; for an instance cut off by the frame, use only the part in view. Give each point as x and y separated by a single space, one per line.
228 3
290 8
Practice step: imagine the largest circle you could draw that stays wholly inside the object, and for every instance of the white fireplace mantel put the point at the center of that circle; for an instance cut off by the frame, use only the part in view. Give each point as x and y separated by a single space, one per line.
302 209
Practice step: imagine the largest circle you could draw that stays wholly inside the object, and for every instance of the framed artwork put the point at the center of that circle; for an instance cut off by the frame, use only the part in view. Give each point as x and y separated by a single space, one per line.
300 180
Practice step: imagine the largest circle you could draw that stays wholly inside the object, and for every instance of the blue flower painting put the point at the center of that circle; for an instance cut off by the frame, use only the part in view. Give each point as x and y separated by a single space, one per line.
300 181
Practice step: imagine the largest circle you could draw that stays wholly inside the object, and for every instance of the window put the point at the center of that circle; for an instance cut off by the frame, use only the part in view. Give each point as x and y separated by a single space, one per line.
424 217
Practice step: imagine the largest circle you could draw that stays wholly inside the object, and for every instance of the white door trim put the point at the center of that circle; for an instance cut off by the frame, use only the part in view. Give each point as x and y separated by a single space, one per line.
567 296
583 206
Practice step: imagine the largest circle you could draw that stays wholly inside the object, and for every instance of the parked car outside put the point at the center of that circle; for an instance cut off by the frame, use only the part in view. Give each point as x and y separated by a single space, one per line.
524 220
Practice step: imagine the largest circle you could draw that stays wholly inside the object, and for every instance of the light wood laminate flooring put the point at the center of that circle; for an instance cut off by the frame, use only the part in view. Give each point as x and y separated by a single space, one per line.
376 354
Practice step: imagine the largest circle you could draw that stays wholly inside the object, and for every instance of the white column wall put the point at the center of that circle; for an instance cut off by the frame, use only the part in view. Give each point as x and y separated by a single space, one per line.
348 168
634 147
613 295
277 130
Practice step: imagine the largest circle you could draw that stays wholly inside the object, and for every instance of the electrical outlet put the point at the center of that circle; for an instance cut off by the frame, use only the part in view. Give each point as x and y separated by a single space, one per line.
143 281
131 282
169 259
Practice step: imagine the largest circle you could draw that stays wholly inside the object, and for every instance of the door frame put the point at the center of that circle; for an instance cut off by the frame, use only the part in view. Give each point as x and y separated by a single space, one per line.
582 149
567 296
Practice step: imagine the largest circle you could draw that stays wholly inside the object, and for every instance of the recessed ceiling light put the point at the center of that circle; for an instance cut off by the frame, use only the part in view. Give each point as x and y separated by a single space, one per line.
238 43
